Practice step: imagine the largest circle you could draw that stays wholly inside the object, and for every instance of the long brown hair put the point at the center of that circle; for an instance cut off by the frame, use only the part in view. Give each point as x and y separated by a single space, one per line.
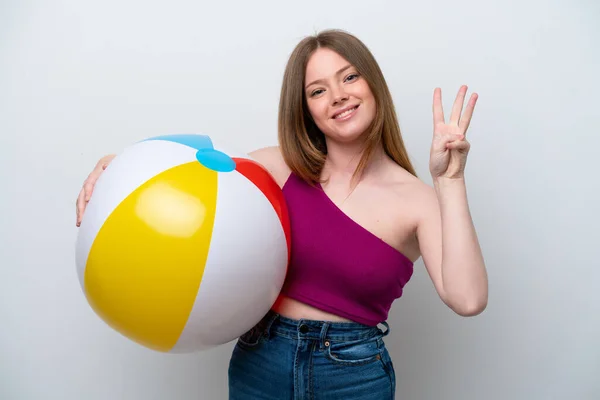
301 141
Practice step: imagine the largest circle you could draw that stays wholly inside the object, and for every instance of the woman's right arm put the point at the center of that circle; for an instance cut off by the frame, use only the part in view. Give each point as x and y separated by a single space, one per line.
269 157
88 185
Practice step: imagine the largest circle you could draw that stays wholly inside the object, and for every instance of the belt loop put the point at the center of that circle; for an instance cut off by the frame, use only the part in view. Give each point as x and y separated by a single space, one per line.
323 335
387 329
270 318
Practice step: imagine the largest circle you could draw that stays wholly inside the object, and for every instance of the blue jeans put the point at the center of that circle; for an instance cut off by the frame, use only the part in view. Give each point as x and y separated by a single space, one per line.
287 359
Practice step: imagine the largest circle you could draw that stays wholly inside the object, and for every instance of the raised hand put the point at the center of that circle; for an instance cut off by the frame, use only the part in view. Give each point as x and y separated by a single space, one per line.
449 148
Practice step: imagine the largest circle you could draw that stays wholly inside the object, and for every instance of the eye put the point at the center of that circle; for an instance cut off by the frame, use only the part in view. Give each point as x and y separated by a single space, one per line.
316 92
351 77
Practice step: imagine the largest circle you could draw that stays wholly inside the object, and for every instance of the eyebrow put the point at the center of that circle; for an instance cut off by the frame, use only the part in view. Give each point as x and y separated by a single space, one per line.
337 73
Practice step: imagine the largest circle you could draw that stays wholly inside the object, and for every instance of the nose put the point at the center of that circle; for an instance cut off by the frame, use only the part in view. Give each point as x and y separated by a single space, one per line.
338 95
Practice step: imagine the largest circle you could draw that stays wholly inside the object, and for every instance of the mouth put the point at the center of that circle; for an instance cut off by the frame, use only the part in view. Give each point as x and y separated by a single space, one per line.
345 113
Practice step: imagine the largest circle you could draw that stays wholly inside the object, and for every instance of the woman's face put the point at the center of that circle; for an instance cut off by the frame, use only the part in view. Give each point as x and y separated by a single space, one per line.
339 99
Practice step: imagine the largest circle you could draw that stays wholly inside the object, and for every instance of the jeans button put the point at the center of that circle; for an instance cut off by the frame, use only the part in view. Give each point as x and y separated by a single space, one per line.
303 328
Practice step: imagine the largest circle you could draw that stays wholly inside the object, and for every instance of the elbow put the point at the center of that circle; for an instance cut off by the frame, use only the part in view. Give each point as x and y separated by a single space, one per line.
468 306
471 310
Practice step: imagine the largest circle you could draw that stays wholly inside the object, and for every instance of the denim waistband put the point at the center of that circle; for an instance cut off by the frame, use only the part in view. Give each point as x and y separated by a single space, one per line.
276 324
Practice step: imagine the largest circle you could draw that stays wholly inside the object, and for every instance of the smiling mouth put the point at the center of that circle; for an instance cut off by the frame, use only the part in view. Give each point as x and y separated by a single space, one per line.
345 114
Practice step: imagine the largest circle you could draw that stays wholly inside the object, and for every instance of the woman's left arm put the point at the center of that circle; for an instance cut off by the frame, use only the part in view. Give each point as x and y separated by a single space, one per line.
447 237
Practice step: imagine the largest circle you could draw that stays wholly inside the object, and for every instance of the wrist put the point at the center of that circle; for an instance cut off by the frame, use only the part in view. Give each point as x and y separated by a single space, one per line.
443 181
446 188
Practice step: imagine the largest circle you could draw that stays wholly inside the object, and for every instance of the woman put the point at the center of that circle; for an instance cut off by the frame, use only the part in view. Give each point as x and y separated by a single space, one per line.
360 218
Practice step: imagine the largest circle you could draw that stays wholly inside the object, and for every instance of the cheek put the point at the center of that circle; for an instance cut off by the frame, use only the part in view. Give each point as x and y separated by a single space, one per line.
366 92
370 100
318 110
372 106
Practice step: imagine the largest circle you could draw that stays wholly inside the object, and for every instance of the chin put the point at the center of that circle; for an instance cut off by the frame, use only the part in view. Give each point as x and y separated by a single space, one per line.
350 133
346 137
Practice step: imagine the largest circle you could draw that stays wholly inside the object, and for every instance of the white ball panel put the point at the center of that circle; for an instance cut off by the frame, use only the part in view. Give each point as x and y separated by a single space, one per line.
245 268
130 169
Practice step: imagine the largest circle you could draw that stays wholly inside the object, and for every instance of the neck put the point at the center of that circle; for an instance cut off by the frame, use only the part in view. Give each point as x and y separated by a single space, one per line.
343 158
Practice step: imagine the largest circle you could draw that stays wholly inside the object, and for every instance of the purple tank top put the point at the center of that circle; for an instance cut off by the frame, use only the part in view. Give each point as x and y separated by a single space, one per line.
336 265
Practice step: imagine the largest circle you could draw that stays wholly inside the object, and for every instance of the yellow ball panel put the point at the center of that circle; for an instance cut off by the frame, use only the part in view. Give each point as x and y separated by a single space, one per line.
146 264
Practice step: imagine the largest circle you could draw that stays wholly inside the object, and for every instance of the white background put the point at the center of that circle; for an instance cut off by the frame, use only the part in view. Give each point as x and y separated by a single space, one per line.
81 79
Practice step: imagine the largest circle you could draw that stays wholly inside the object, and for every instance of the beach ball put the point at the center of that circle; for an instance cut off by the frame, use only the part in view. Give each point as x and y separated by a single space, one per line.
184 245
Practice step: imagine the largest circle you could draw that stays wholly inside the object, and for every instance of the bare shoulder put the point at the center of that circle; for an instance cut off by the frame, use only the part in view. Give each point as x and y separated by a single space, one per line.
421 191
422 204
423 197
399 203
418 197
271 158
401 178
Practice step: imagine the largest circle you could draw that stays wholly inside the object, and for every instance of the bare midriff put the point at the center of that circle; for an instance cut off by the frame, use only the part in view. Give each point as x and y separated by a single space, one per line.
295 309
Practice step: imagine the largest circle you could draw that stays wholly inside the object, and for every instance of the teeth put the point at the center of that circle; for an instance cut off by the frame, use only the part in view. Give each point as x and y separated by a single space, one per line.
345 113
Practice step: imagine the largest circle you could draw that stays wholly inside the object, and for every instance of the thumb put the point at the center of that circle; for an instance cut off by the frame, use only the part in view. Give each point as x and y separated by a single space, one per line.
461 145
441 143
